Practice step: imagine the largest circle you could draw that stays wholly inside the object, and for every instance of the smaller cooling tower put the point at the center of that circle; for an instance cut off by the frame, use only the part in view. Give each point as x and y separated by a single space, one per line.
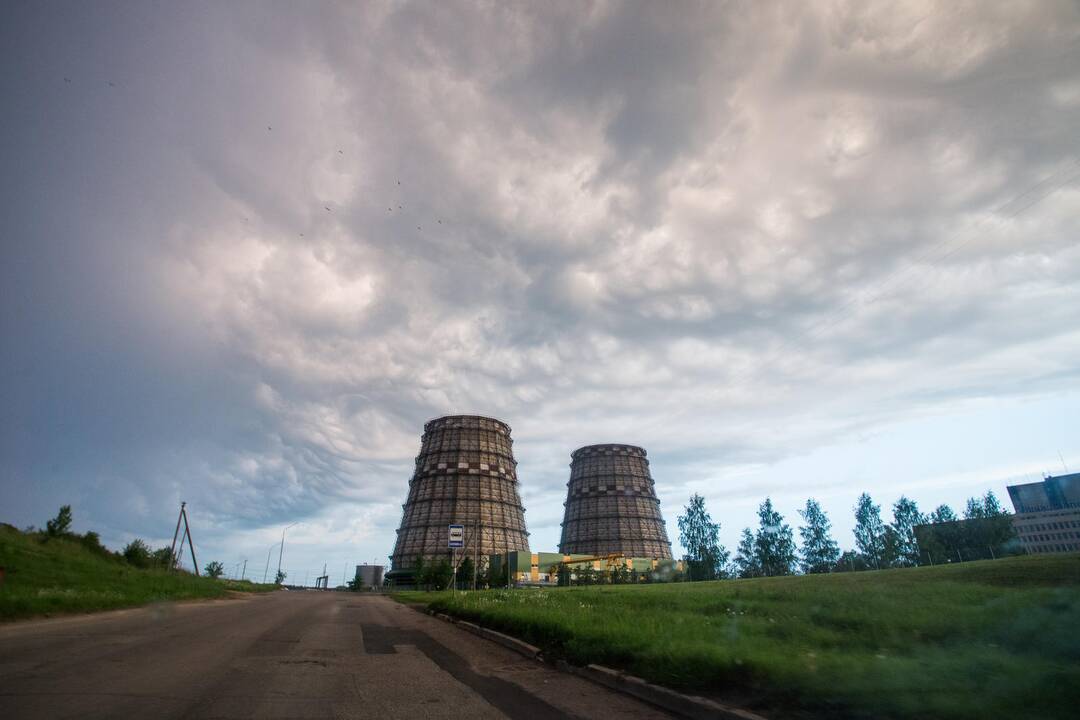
611 505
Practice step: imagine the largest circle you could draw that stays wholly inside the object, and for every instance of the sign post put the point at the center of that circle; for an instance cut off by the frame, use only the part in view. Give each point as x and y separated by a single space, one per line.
455 539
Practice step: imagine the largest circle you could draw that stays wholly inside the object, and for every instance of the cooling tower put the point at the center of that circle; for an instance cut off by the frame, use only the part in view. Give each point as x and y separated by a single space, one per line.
465 475
611 505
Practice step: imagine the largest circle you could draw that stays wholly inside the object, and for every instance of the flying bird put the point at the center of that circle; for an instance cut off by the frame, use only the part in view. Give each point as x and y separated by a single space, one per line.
112 84
340 152
67 79
269 128
326 208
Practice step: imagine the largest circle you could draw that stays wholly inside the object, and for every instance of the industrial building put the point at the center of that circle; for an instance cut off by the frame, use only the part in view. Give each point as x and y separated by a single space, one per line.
542 568
611 505
1047 518
369 576
465 475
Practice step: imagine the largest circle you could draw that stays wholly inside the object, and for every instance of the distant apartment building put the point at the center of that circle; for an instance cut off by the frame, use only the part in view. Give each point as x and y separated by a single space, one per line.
1047 518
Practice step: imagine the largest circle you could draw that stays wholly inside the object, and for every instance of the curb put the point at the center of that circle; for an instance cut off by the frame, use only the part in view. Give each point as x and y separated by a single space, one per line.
519 646
690 706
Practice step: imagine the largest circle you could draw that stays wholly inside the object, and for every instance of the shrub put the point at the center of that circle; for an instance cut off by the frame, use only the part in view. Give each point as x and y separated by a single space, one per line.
163 558
137 553
92 542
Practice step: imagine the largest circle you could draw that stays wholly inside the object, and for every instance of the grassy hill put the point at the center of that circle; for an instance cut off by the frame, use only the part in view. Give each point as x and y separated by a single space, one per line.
973 640
46 576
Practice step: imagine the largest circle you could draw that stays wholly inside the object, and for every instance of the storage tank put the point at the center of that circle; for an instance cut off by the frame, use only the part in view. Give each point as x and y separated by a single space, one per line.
370 576
611 505
465 475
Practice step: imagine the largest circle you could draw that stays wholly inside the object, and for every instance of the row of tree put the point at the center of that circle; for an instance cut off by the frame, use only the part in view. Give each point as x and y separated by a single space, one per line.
439 574
136 553
771 549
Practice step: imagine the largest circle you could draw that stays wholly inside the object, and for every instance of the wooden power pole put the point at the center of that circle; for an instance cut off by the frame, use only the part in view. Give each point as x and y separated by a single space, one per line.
186 536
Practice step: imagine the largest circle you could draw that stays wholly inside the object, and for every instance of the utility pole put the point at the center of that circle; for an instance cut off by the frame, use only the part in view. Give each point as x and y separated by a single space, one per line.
267 568
172 549
244 571
282 550
191 543
175 557
476 536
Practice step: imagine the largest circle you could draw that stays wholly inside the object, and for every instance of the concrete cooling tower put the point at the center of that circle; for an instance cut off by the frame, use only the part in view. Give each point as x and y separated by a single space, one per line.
611 505
465 475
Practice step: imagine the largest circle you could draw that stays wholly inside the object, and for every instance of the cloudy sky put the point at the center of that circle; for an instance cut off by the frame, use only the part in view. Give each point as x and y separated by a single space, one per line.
795 249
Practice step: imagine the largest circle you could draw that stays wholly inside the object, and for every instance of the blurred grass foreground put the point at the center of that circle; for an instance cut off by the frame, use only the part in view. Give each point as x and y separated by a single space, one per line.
45 575
996 638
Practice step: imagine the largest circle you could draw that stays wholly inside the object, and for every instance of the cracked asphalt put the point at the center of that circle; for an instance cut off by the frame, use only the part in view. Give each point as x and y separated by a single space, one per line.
282 655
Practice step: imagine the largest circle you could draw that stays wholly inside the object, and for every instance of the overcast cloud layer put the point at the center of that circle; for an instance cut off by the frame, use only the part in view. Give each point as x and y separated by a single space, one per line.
248 249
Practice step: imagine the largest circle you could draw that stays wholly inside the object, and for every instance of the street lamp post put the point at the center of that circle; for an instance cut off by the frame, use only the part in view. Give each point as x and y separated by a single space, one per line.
281 551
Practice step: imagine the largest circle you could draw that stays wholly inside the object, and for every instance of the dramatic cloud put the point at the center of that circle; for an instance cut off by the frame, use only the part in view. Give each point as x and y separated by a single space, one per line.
249 249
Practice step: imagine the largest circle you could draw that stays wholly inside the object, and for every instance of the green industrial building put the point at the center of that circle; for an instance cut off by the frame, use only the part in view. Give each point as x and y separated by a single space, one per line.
529 568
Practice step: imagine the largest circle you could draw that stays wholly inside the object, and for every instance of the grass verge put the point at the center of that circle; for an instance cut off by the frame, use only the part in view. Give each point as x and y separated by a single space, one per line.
57 575
973 640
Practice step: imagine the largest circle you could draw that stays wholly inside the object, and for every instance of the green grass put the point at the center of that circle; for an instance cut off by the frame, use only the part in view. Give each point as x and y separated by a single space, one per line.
56 576
973 640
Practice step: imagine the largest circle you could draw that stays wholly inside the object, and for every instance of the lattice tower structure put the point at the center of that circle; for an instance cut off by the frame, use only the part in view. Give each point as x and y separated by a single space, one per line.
465 475
611 504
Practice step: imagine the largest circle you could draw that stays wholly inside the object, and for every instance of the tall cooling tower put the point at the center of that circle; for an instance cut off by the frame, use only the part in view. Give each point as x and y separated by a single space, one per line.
465 475
611 505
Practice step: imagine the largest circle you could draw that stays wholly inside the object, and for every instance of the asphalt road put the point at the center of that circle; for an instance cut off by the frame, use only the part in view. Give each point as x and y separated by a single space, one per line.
281 655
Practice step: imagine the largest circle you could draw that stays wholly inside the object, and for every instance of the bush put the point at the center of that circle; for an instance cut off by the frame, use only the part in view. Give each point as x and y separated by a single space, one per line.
137 553
163 558
92 542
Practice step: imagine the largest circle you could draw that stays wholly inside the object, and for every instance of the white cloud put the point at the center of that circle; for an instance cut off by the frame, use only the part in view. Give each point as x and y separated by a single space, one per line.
358 219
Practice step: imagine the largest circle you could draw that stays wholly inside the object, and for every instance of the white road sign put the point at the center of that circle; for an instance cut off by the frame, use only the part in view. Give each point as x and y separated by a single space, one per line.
457 536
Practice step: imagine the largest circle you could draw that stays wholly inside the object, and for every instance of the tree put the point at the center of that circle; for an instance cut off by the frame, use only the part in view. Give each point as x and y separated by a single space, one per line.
61 524
851 561
280 577
905 548
819 551
869 530
419 571
943 514
92 542
987 530
705 556
774 543
746 560
213 569
437 575
164 558
974 509
991 506
465 573
496 574
137 553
